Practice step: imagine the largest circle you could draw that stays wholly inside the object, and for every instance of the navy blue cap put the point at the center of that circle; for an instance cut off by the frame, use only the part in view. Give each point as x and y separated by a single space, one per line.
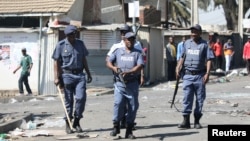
197 27
124 27
69 29
129 35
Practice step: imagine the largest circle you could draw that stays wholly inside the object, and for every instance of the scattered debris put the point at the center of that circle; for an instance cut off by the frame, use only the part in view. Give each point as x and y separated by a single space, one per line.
233 73
78 136
218 101
235 104
243 72
247 87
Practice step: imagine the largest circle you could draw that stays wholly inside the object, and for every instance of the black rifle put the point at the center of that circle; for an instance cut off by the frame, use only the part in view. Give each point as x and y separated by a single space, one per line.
177 81
119 71
137 29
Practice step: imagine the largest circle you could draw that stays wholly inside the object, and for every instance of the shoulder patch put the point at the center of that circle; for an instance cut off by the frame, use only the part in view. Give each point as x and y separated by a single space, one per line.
62 42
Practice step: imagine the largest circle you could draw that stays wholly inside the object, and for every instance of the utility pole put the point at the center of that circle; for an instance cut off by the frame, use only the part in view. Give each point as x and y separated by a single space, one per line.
194 12
133 19
240 18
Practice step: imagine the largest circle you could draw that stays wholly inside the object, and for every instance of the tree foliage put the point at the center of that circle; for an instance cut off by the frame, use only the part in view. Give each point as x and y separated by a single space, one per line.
230 8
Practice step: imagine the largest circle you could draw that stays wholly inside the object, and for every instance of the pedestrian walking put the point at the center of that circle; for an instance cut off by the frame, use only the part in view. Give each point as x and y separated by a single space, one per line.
130 61
123 30
26 65
246 54
196 62
69 63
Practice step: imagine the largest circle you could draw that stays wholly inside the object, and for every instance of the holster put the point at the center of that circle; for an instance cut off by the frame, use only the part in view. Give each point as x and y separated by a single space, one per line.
61 84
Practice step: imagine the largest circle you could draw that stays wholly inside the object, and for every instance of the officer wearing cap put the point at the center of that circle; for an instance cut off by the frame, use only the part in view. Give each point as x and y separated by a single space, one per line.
123 30
196 62
69 62
130 61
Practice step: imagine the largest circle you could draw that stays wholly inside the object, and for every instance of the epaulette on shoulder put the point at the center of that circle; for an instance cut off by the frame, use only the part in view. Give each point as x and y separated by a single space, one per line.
79 40
62 42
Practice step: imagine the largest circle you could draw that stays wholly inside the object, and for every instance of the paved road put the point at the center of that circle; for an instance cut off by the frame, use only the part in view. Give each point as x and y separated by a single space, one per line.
226 103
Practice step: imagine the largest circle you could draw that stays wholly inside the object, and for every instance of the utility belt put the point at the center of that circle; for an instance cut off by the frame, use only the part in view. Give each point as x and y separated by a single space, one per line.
196 72
126 80
73 71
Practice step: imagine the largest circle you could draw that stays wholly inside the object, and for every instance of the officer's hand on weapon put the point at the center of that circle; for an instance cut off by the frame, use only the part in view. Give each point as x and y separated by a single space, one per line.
206 78
56 81
89 79
115 70
177 73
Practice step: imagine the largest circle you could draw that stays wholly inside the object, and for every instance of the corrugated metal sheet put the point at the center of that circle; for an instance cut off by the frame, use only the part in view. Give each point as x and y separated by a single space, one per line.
99 39
35 6
91 39
47 86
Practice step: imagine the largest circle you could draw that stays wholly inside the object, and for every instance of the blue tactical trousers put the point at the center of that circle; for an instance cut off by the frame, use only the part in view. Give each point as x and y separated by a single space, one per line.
193 86
75 89
123 96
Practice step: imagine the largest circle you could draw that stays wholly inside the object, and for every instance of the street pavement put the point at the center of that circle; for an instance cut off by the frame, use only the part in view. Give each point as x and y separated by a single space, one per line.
227 102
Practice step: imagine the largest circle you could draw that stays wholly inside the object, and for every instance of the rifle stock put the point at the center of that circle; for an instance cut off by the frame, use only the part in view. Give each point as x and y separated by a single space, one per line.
137 29
177 81
175 91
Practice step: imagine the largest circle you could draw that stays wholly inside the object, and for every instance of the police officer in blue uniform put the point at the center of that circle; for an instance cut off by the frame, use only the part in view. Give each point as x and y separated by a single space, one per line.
196 67
130 61
69 62
123 30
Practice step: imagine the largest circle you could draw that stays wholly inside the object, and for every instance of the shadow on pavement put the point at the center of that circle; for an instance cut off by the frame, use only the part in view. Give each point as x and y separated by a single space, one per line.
155 126
162 136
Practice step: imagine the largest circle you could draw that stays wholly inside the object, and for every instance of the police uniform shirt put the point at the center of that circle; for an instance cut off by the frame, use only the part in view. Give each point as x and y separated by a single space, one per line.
70 56
196 54
126 60
137 45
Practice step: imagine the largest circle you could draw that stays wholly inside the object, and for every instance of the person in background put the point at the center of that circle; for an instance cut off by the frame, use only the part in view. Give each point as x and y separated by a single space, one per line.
26 65
179 48
171 58
218 52
69 62
246 54
228 53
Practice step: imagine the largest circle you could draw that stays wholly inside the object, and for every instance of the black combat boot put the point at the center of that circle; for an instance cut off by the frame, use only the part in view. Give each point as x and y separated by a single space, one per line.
77 126
197 124
129 133
186 122
116 129
123 122
68 130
